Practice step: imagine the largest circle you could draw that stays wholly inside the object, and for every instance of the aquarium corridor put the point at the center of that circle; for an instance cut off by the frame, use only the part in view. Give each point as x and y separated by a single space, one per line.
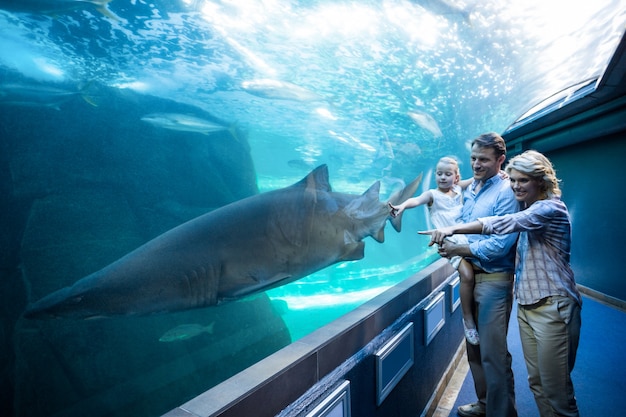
195 212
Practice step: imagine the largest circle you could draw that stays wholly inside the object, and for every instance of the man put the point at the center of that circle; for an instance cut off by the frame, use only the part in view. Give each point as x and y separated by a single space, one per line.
493 258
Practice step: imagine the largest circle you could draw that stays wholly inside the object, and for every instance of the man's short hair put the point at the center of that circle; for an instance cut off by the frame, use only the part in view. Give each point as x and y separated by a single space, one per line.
491 140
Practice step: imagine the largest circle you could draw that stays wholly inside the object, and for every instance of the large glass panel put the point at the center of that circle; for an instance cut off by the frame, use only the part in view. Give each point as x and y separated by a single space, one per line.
123 119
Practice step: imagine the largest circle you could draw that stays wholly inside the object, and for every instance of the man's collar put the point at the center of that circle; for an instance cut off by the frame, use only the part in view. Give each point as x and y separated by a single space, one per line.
489 181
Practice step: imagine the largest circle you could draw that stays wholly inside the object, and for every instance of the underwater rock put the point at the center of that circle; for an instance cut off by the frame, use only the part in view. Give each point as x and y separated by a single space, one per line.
66 234
119 366
110 147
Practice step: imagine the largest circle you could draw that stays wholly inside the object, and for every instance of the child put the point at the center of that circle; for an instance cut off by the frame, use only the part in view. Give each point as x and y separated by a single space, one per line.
444 204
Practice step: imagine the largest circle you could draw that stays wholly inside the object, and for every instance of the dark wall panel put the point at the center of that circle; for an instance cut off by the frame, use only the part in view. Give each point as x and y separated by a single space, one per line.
595 193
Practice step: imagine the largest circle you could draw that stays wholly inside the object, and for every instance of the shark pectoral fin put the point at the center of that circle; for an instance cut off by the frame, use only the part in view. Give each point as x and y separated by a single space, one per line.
353 252
277 280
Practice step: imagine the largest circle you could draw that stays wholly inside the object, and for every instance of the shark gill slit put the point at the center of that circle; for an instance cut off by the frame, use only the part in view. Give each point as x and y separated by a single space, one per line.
207 287
192 280
202 288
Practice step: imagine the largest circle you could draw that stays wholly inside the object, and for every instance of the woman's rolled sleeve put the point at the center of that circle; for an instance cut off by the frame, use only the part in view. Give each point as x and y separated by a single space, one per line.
487 225
500 225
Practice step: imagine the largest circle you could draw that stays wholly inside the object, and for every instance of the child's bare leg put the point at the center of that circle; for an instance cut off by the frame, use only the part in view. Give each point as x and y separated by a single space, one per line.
467 293
467 301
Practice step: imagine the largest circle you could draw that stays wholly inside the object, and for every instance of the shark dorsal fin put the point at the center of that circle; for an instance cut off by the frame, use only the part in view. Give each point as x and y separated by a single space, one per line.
313 191
316 180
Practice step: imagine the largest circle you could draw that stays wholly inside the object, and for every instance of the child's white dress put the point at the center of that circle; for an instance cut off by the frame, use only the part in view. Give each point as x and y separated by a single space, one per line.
446 211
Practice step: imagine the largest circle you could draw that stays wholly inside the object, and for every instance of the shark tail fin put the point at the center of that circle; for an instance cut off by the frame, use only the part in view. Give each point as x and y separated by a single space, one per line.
232 129
400 197
103 7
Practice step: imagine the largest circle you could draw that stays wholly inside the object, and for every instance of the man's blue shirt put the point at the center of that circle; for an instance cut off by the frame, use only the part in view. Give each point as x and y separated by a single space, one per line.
492 253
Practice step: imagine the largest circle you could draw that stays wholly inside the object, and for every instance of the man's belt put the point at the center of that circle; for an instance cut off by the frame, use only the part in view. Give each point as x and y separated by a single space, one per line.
496 276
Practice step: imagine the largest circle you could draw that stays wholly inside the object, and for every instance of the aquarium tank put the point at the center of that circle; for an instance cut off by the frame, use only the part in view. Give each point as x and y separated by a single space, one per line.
260 126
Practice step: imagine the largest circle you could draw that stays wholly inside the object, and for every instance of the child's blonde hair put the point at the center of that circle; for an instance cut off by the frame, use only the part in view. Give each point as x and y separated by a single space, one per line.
451 161
455 164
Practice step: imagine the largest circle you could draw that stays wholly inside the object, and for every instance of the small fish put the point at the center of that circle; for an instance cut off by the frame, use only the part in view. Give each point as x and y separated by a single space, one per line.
426 121
186 331
36 95
449 8
183 123
57 6
279 90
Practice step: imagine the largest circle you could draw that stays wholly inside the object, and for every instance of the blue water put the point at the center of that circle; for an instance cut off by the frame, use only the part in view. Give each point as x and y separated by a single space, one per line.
377 90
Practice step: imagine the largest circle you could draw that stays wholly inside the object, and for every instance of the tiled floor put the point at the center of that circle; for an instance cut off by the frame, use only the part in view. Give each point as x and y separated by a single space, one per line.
448 398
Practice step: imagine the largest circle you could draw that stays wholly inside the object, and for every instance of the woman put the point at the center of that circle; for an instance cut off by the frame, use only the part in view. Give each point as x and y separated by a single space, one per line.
549 303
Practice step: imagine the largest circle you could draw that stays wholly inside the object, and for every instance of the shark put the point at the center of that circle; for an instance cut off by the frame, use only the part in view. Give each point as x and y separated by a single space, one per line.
35 95
451 9
245 247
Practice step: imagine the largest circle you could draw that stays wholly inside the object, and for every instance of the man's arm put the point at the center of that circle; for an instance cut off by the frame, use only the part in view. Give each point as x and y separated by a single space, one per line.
447 248
495 247
465 183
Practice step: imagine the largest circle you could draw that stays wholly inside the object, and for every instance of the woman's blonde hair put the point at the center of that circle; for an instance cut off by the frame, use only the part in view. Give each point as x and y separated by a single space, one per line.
537 166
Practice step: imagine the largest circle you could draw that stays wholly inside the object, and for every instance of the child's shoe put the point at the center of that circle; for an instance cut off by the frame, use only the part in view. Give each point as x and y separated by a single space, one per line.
471 335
